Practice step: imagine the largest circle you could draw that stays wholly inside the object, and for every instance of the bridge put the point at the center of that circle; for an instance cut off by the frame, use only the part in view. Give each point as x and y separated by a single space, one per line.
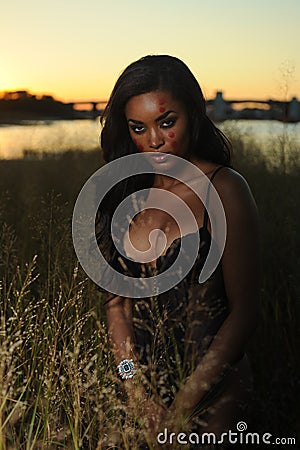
220 109
93 110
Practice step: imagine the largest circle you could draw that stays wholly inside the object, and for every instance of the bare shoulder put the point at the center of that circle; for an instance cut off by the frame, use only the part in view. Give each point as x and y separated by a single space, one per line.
229 178
232 186
227 181
237 199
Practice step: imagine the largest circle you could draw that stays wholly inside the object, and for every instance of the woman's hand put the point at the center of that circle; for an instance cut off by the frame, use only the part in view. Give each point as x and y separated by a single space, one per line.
157 418
154 415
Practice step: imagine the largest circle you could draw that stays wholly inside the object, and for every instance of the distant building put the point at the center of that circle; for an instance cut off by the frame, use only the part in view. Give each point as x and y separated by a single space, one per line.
221 109
294 110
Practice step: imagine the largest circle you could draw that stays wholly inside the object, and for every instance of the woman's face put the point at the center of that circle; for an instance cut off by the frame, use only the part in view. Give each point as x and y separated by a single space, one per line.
158 123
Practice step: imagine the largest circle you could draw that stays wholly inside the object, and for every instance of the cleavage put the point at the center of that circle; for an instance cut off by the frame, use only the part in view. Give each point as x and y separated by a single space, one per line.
149 235
152 234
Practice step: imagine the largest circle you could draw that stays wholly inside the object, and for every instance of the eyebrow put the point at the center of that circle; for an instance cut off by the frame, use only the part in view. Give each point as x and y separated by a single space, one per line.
161 117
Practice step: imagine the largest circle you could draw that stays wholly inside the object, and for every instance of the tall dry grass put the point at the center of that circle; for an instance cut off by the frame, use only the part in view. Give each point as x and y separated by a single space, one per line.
58 387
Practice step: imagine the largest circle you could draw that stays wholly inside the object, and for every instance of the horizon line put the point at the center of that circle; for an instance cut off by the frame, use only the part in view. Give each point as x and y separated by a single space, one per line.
89 101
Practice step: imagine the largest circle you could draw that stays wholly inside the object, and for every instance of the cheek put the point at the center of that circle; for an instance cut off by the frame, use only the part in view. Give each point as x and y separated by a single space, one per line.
174 143
139 146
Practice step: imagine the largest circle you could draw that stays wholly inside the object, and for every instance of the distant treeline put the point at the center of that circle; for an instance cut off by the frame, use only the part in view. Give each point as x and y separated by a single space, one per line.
21 105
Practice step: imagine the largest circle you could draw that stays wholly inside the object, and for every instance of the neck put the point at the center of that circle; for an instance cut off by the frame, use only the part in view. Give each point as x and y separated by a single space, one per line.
169 182
164 182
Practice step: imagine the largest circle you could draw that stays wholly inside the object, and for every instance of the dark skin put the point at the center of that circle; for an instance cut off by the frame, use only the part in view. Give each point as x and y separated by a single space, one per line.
240 260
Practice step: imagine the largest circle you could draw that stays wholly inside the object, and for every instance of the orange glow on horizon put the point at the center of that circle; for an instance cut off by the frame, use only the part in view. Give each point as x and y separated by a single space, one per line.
97 87
75 95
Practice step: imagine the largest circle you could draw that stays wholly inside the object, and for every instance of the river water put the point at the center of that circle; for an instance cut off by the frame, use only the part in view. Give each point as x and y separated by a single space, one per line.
63 135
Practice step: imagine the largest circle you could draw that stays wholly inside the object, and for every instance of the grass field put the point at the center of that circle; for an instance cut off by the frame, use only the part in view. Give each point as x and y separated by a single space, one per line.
58 387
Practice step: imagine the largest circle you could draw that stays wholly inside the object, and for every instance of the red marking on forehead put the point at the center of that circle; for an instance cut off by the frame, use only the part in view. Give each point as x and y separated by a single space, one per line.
161 109
161 101
171 134
174 143
141 147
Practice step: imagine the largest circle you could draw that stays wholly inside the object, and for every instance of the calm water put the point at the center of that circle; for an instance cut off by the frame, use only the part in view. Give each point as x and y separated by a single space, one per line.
57 136
54 136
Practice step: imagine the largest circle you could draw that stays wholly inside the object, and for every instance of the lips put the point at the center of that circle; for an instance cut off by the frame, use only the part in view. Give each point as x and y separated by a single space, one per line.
160 157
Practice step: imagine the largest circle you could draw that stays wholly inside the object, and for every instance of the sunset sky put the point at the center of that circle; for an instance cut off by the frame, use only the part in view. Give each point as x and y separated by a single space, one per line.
76 50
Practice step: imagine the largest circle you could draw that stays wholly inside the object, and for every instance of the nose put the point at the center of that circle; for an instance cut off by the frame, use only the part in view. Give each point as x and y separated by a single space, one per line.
155 139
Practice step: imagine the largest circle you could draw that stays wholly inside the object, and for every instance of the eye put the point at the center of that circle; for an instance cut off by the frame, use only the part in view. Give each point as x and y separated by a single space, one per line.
138 129
168 123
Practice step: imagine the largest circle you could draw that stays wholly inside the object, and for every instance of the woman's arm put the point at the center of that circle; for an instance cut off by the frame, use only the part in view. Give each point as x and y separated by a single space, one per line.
241 272
120 329
121 334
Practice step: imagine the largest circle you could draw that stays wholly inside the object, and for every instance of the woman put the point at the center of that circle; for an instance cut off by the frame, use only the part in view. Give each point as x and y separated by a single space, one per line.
186 347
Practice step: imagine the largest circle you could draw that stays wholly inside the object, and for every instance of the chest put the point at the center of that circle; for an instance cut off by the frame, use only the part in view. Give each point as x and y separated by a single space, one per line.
164 218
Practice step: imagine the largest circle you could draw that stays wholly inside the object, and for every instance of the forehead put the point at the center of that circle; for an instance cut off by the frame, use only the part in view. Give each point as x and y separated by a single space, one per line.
152 103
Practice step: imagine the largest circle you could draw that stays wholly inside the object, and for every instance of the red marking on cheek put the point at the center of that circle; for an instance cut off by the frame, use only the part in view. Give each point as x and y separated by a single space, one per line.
141 147
174 143
171 134
161 109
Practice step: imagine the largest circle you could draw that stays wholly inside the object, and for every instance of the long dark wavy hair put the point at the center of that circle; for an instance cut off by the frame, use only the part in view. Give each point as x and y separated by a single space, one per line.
148 74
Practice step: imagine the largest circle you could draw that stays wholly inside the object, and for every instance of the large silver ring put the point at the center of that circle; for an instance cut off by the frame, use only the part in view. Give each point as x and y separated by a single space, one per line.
126 369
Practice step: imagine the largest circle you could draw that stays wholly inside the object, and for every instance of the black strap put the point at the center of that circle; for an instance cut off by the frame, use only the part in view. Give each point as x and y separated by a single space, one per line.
205 219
